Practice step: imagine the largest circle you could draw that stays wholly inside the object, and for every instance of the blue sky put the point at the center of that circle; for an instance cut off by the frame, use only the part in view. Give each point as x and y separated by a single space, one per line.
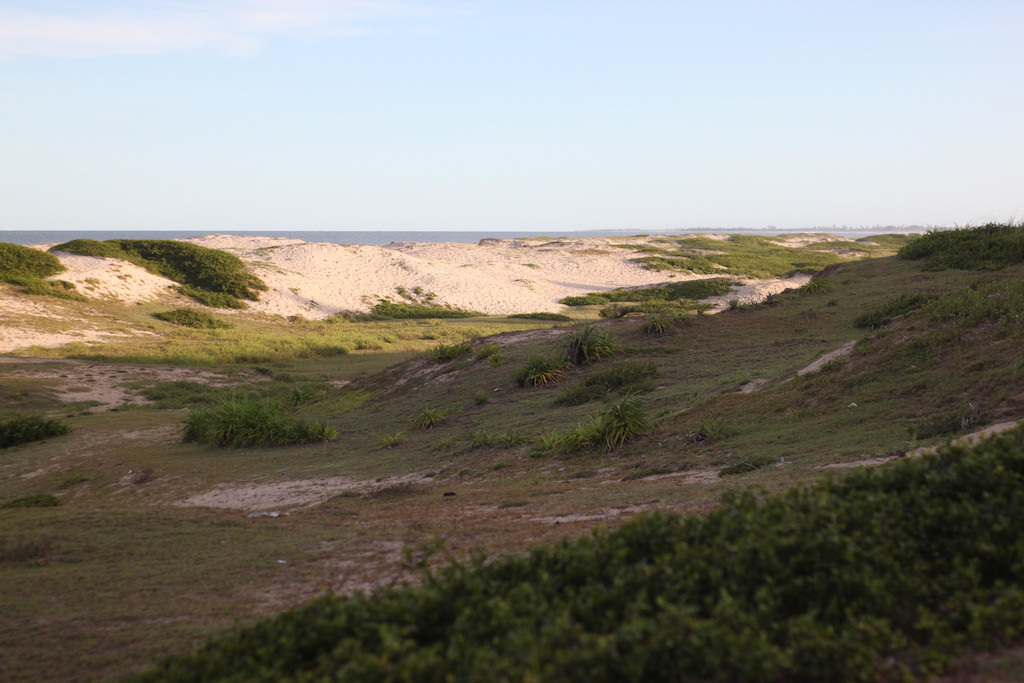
644 115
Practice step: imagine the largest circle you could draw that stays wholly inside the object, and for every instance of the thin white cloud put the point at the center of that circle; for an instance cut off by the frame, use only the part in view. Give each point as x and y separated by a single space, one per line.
231 26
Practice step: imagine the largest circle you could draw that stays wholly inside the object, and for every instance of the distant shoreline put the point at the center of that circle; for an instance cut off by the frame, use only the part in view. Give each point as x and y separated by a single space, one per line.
384 237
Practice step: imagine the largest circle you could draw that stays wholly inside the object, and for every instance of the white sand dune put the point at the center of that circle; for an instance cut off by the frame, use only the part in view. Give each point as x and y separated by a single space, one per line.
315 280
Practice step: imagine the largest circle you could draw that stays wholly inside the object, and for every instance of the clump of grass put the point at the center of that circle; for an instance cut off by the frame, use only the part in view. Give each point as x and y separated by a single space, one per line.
392 440
747 464
555 317
191 317
710 427
816 286
22 263
901 305
445 352
214 277
658 323
607 431
540 370
494 353
431 417
247 421
588 344
38 500
26 428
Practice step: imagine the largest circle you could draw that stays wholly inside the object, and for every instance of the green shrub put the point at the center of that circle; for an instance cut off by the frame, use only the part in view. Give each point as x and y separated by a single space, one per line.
658 323
39 500
246 421
403 310
59 289
673 291
26 428
973 306
445 352
990 247
629 376
431 417
901 305
557 317
588 344
816 286
190 317
18 262
540 370
888 574
212 276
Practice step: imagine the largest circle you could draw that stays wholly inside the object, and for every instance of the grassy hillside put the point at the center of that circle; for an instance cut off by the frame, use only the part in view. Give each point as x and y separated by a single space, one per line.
158 539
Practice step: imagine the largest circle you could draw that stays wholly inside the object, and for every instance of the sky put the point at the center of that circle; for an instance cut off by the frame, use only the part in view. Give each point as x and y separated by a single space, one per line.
528 115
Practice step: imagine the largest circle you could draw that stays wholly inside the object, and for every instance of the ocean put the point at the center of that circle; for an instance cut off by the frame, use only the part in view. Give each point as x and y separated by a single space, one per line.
382 237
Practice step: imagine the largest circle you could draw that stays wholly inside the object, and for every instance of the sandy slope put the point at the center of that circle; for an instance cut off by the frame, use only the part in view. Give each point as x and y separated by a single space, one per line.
314 280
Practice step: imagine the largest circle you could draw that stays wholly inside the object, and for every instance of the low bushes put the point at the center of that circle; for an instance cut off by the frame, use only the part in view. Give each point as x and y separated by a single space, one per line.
990 247
901 305
190 317
245 421
557 317
38 500
18 262
386 309
629 376
26 428
689 289
887 574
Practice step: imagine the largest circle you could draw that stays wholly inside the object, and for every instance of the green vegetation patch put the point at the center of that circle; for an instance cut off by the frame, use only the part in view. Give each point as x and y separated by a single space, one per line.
26 428
190 317
211 276
39 500
628 376
990 247
245 421
888 574
19 263
673 291
556 317
901 305
387 309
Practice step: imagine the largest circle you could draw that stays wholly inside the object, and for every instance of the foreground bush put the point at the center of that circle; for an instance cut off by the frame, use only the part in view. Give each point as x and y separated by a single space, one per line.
885 575
241 422
26 428
25 263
